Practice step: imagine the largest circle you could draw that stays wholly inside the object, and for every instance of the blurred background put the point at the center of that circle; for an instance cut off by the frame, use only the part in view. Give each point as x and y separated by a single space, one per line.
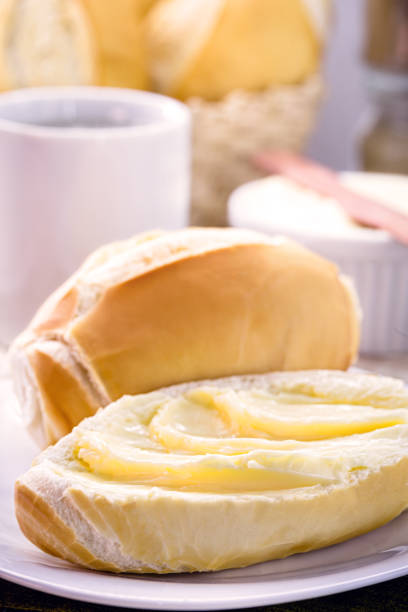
250 72
334 139
325 78
367 36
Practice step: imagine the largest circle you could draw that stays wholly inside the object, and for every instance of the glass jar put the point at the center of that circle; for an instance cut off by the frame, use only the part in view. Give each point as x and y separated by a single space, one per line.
384 143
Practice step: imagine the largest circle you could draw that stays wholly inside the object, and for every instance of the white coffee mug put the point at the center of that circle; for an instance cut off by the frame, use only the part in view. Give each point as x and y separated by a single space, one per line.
80 167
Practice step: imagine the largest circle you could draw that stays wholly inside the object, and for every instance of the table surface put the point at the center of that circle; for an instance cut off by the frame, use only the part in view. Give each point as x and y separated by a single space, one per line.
391 595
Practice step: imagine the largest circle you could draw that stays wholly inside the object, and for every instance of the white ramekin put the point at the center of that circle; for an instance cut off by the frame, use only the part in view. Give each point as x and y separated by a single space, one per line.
377 264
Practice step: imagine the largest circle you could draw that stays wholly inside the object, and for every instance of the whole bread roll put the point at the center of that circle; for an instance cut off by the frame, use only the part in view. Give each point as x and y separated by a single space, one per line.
171 307
208 48
73 42
221 474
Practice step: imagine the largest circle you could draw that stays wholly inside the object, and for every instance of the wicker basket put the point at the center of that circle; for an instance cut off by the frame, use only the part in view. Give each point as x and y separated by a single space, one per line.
228 132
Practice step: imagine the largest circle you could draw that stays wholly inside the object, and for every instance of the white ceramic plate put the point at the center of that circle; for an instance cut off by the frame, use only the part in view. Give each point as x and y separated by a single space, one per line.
369 559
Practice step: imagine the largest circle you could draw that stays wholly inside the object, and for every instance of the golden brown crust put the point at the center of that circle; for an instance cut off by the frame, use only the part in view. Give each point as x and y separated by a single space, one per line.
248 308
353 323
56 313
44 528
64 401
119 41
168 312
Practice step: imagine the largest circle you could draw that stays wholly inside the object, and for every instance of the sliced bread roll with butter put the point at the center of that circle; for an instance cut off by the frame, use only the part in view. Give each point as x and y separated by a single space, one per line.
221 474
172 307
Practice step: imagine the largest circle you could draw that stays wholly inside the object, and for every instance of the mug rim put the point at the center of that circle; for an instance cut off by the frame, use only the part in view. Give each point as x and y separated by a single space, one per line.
176 113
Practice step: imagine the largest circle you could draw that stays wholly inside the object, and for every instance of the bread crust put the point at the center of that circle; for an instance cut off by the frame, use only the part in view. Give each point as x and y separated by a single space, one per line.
117 32
43 527
78 401
189 305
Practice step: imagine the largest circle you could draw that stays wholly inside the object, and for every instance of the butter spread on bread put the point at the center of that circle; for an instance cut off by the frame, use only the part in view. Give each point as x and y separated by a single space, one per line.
171 307
223 473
